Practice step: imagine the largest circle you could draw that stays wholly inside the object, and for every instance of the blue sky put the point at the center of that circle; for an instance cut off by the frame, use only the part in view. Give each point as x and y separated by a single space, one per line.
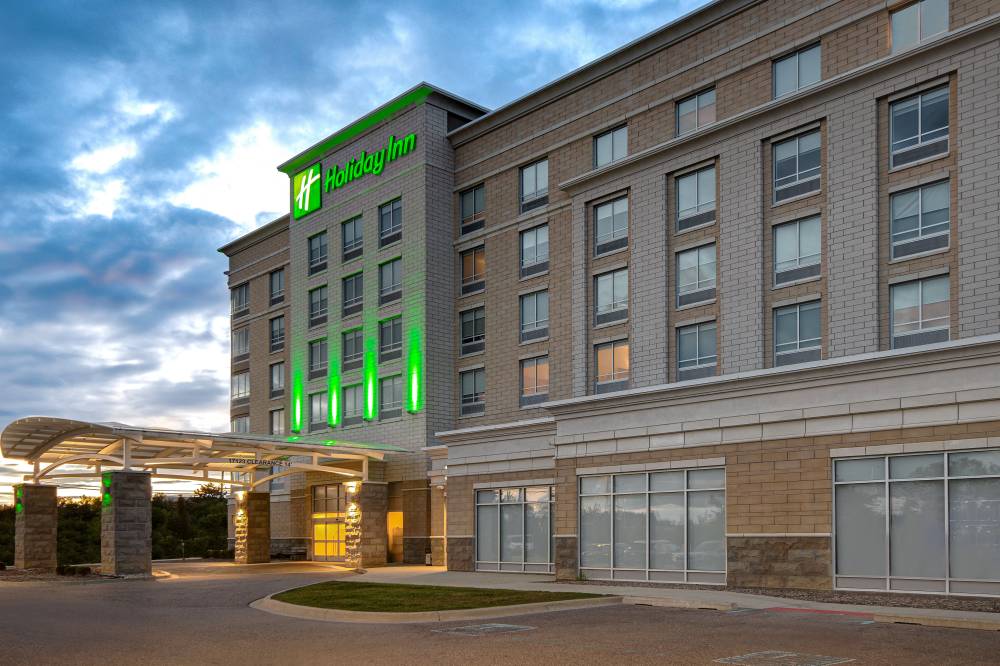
136 138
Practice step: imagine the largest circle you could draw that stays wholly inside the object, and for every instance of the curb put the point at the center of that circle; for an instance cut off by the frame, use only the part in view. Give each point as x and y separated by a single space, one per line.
931 621
668 602
269 605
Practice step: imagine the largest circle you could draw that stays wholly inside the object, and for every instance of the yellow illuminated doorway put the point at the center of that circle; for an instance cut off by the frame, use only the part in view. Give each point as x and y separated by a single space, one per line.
394 526
328 506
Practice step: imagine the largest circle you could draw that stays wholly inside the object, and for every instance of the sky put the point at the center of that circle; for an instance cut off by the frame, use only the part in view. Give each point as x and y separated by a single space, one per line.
137 138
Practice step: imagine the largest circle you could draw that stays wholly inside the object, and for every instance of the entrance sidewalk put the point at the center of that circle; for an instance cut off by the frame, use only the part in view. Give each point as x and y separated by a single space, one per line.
682 598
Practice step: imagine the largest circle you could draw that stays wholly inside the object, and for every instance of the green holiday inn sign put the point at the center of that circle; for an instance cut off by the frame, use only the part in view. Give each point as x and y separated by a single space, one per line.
309 184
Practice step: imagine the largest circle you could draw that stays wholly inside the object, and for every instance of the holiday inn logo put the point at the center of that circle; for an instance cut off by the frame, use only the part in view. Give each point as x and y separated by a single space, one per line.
305 191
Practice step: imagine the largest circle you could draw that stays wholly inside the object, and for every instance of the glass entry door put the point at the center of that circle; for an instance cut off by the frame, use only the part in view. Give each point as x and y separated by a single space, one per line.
328 507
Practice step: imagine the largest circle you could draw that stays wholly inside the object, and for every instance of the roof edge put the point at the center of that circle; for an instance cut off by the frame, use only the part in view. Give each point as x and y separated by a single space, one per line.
262 232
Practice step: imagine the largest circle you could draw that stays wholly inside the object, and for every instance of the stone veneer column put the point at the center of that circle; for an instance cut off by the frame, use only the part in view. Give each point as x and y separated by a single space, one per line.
566 558
35 526
439 554
127 524
253 527
365 532
416 523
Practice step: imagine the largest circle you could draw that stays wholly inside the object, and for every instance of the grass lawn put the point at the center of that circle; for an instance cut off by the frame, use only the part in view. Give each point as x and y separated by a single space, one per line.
393 598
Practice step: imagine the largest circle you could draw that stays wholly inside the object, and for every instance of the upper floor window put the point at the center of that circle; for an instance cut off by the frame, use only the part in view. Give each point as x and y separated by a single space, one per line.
390 339
276 284
241 385
317 253
611 297
796 166
473 387
240 424
390 222
534 315
352 349
796 250
317 306
535 250
317 358
352 238
696 198
796 71
390 281
277 425
918 127
920 219
472 202
473 270
696 275
696 351
696 111
277 341
390 392
797 334
473 330
611 226
317 410
353 289
534 185
277 381
921 312
612 365
241 342
918 22
534 380
610 146
353 404
239 299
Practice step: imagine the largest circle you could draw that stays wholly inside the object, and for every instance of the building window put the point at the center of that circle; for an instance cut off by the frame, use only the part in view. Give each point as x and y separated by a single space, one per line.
921 312
534 316
317 253
277 383
352 238
240 424
612 366
696 275
918 22
534 380
276 283
277 334
918 127
473 202
353 349
696 351
658 526
514 529
796 166
796 71
354 404
695 112
240 386
390 391
696 198
317 358
390 222
239 299
277 422
920 219
473 385
473 270
317 411
241 344
473 325
353 289
611 297
317 306
797 250
390 339
610 146
535 251
534 185
797 336
942 531
611 226
390 281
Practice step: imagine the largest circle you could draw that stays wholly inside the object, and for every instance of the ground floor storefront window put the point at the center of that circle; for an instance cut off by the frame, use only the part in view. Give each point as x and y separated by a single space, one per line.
656 526
919 523
328 507
514 529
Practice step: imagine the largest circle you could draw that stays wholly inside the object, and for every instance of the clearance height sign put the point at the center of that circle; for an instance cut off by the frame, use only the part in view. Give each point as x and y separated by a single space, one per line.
309 184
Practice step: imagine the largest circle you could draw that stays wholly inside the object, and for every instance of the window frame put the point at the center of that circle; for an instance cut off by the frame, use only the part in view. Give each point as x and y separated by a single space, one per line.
685 289
945 234
475 343
615 135
240 343
618 377
394 349
317 355
276 295
475 282
276 389
319 254
537 265
616 240
807 345
355 360
538 197
921 284
701 214
394 232
540 392
393 291
239 387
700 361
355 247
473 404
393 409
276 342
618 309
803 269
355 303
799 180
324 410
280 413
922 144
696 97
473 221
239 299
920 38
537 328
319 316
797 54
357 393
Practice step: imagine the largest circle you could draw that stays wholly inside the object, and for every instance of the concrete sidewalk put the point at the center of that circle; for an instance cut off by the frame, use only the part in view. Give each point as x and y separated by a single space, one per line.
681 598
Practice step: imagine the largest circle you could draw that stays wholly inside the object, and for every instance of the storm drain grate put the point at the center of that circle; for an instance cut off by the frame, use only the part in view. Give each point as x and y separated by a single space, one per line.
483 629
780 658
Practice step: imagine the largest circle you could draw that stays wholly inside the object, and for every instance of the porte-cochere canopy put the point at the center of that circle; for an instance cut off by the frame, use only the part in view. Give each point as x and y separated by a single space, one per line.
50 443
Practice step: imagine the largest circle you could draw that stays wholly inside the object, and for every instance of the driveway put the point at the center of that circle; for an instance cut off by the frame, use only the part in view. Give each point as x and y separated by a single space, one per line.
199 615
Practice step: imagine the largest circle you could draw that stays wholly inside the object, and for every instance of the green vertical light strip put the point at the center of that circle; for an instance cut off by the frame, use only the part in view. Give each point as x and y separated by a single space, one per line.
296 406
19 503
414 370
333 409
106 489
371 373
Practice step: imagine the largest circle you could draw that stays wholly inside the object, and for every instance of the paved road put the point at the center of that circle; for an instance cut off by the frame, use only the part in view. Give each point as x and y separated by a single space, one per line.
200 616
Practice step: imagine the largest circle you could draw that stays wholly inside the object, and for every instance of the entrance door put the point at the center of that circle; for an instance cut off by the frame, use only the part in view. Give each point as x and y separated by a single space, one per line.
394 528
328 506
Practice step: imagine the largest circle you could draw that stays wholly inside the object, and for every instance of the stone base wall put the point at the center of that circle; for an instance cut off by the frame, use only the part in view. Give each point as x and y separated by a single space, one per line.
253 528
416 499
35 526
127 525
367 539
772 561
461 553
566 558
439 551
415 549
293 549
